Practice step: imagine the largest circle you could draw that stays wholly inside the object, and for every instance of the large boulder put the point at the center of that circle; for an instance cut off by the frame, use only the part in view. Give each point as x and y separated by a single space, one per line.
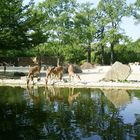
118 72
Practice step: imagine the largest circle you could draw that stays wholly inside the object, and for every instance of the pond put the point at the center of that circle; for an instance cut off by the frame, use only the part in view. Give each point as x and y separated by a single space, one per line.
51 113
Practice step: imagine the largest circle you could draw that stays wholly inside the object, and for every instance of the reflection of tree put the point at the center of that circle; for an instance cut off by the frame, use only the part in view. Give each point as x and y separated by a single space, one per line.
136 127
58 120
48 115
99 115
135 93
11 105
118 97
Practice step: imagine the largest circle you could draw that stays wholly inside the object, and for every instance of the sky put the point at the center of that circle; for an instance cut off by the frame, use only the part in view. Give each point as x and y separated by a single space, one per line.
128 24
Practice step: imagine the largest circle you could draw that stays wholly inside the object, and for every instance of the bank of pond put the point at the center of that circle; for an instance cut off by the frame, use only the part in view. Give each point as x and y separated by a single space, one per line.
54 113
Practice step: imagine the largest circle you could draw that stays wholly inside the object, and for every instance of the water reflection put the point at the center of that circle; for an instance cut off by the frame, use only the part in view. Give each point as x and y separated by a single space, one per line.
72 96
52 113
119 97
33 94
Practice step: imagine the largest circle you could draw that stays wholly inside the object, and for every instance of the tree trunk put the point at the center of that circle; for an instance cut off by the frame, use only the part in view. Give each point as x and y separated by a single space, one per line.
89 54
58 61
102 54
39 59
112 54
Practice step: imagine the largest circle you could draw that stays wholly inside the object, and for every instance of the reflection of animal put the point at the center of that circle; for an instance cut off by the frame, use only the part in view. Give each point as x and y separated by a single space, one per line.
72 96
53 94
54 72
34 70
71 73
31 93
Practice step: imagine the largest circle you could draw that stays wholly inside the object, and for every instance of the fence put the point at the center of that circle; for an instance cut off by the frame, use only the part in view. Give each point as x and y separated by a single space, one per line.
26 61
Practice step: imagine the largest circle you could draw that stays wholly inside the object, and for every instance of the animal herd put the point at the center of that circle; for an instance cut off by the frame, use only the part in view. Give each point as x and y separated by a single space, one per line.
52 94
52 72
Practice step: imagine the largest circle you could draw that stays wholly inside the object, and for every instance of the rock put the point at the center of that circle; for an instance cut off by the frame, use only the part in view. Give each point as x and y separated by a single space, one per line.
118 72
19 74
87 65
77 68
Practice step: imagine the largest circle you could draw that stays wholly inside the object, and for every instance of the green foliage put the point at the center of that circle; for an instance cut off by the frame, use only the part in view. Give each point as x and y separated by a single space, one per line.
64 28
74 54
13 24
128 53
113 11
84 27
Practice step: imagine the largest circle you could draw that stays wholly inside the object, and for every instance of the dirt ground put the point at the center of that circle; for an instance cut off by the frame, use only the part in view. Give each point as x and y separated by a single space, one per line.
90 78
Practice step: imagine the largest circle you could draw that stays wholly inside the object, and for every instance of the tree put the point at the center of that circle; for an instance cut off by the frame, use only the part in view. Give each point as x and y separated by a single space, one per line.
58 23
101 23
114 11
20 26
14 24
85 28
136 10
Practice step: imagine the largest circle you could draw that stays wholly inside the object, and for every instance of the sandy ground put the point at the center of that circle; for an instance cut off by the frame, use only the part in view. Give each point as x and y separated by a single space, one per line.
90 78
